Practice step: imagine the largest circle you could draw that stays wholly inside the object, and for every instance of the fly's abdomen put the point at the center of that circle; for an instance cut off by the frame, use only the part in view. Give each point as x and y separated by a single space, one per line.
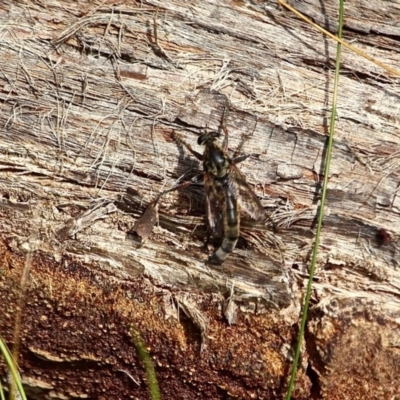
231 229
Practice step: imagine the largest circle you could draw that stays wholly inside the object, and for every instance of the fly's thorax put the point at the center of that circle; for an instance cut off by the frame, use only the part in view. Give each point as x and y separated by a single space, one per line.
216 162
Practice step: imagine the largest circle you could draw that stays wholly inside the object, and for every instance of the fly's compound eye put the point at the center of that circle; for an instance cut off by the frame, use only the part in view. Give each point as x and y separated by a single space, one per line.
201 140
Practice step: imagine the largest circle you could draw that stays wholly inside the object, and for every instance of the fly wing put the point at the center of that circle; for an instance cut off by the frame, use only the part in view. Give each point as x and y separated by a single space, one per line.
215 201
249 202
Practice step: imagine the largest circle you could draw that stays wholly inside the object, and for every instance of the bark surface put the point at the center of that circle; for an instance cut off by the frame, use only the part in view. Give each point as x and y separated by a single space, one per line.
91 95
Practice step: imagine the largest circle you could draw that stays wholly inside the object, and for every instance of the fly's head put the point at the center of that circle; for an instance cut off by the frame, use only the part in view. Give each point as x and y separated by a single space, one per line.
208 138
215 160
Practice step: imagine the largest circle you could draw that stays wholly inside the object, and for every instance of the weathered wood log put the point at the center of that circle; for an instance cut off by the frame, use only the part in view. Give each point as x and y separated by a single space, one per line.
91 95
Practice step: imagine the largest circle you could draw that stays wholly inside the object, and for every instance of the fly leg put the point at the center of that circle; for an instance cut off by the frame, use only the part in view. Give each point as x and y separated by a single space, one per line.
180 186
244 139
224 129
144 225
182 143
239 159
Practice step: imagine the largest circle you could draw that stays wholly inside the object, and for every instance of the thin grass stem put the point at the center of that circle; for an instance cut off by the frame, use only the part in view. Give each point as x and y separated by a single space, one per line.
321 208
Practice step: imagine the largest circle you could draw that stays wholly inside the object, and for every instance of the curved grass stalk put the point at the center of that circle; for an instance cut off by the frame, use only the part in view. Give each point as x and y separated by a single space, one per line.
2 397
14 376
321 208
148 364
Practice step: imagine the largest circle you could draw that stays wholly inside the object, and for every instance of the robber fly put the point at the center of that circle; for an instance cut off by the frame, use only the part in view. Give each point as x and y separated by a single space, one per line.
226 189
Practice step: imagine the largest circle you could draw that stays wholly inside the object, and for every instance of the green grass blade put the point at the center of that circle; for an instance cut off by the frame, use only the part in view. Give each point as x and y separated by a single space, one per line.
148 365
2 396
321 208
13 369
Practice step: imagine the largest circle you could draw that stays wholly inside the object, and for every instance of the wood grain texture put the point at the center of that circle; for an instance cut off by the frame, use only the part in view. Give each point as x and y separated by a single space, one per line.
90 98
